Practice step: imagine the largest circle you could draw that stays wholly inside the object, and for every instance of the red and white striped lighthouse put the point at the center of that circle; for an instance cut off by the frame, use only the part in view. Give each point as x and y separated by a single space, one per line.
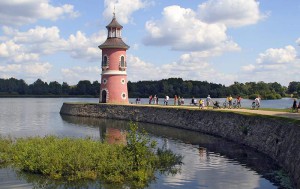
114 77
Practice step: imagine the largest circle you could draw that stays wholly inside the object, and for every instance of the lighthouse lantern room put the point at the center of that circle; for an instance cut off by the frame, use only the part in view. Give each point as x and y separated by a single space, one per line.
113 87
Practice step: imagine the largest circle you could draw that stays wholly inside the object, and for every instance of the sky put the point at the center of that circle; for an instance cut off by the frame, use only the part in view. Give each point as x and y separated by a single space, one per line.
219 41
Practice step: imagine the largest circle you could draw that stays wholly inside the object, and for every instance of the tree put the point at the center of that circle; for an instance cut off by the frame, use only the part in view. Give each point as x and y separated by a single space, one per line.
65 88
293 87
55 88
39 87
95 91
84 87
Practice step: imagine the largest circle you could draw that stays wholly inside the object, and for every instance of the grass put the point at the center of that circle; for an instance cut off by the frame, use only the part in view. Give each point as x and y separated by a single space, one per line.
86 159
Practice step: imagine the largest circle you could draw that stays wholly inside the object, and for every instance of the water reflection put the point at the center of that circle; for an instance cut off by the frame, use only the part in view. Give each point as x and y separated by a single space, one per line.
208 161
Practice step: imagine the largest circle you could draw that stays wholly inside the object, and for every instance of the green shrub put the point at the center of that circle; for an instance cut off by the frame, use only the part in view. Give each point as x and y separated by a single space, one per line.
253 96
77 159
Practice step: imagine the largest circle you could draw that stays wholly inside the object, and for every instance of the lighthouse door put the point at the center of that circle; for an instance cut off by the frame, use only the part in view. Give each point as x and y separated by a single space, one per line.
104 96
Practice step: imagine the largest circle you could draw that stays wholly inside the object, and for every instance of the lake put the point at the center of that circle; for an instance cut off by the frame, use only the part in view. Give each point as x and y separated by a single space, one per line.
209 162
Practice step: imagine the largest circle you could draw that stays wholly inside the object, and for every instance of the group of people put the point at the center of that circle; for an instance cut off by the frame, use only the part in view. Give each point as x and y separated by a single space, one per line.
178 101
153 99
229 102
295 107
209 102
201 102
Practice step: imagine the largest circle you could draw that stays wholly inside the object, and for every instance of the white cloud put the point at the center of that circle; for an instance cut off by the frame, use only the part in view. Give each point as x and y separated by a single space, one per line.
277 56
8 48
14 53
29 70
123 9
73 75
248 68
139 70
11 68
230 12
82 47
280 65
182 30
298 41
16 12
190 66
43 40
37 69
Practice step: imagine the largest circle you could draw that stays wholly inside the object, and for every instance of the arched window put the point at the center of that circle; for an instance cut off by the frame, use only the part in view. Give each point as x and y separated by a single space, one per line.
105 61
113 32
122 64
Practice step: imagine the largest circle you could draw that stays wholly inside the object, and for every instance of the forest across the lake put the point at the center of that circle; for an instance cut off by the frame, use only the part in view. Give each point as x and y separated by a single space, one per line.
173 86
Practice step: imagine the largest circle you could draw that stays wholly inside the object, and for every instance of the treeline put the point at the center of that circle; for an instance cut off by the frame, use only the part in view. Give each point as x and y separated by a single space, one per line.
189 88
12 86
143 89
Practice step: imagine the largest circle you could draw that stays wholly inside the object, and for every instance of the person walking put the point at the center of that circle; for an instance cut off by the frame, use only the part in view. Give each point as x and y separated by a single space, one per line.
166 100
201 104
175 100
193 102
182 101
294 107
208 100
239 100
229 99
150 99
154 99
257 102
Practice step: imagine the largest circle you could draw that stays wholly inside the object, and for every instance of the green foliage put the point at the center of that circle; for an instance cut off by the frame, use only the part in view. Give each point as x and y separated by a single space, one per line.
5 150
14 87
77 159
176 86
143 89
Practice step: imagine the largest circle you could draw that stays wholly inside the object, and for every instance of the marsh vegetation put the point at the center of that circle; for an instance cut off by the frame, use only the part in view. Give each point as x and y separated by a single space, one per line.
134 163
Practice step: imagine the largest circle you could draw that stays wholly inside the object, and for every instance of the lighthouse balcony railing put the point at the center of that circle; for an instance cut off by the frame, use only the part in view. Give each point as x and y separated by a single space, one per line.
104 68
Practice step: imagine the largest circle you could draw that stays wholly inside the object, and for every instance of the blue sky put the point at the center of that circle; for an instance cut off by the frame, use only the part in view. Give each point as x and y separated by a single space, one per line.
219 41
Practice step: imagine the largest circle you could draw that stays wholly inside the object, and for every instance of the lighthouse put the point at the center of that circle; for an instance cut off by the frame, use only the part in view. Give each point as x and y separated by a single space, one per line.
113 87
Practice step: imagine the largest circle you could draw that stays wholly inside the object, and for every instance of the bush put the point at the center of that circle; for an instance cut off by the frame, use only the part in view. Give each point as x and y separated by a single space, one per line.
76 159
253 96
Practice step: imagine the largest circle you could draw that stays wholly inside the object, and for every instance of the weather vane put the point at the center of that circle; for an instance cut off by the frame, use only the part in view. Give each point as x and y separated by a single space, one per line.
114 13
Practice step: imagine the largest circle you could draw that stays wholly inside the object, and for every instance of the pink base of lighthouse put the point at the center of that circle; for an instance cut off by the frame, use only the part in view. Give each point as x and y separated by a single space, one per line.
114 89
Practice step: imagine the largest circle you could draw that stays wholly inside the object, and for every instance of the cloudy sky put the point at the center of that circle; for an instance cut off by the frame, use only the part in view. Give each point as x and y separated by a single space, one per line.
219 41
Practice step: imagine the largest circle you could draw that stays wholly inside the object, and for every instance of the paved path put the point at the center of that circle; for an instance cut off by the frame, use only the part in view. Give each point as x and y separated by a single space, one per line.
263 112
271 113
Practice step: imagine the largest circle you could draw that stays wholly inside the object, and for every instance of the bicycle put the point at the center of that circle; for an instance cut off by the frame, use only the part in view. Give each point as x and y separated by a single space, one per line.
225 104
255 106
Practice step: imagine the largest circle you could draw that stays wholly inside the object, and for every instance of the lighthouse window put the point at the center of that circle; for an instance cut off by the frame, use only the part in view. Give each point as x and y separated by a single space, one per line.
122 62
114 32
123 96
123 81
104 81
104 62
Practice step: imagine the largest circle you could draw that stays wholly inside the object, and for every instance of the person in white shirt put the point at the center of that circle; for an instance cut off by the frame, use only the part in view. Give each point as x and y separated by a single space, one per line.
208 100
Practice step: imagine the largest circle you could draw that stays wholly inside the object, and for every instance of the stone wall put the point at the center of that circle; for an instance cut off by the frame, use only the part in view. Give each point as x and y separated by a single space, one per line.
278 138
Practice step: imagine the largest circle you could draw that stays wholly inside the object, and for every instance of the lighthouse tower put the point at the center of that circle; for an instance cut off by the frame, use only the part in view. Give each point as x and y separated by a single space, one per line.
114 77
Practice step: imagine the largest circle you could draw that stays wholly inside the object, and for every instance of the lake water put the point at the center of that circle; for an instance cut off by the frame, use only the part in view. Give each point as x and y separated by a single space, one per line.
209 162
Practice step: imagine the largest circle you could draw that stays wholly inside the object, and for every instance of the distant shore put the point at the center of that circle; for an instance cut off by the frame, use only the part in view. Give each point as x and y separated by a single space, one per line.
48 96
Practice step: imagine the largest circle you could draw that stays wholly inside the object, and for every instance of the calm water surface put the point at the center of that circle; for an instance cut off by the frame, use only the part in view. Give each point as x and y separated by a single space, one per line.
209 162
